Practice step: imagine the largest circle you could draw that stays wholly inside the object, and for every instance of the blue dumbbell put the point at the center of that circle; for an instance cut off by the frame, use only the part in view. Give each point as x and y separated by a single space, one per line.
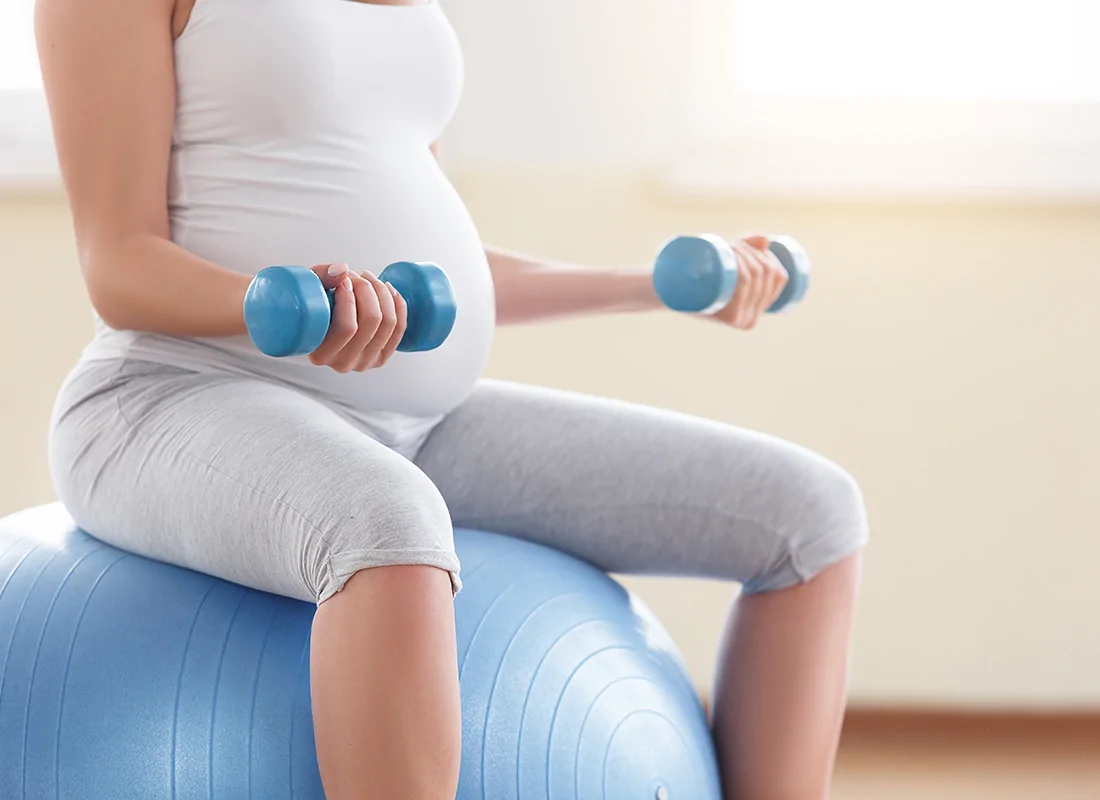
287 309
699 273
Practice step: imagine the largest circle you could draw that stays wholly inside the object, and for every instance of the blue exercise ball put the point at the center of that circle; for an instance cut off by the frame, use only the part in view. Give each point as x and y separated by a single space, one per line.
122 677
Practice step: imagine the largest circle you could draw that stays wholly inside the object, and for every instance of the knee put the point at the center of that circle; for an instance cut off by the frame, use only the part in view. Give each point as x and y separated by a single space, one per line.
393 516
822 523
383 649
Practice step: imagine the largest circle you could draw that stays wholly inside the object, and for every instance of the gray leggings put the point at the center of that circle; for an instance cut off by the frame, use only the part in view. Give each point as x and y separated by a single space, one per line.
266 486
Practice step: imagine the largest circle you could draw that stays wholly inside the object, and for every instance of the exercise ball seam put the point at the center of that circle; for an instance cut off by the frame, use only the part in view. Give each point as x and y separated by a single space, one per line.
562 559
684 684
8 580
69 661
534 678
14 570
466 576
217 690
22 608
9 548
179 680
485 614
588 713
500 665
561 694
603 779
11 641
37 655
303 662
252 702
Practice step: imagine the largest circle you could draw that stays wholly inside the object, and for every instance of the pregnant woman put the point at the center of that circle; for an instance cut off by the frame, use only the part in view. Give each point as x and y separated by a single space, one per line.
203 140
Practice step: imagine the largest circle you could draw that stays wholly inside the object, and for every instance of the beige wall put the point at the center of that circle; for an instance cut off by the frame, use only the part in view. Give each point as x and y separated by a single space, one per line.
45 319
947 356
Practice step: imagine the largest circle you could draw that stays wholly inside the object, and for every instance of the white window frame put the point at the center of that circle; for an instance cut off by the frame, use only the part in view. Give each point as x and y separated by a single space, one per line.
27 156
28 160
734 146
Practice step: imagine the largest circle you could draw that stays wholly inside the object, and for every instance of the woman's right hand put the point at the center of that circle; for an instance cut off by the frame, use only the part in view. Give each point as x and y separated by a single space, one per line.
368 320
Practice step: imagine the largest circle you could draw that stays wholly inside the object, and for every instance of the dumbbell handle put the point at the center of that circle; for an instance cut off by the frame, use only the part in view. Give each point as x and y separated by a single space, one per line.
287 310
698 274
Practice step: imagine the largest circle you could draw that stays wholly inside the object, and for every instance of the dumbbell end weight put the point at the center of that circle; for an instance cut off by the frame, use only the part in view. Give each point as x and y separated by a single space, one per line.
698 274
796 261
695 274
430 301
286 311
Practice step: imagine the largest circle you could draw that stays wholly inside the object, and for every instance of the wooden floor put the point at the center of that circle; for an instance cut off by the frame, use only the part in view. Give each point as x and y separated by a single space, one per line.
898 756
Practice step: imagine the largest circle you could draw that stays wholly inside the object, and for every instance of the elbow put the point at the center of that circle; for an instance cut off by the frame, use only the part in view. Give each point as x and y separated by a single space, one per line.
99 270
109 313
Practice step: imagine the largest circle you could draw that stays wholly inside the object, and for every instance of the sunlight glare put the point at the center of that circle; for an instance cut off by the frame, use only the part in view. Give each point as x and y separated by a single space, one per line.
933 49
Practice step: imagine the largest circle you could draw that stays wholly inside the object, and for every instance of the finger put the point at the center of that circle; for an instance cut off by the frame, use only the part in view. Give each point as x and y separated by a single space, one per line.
765 277
777 277
764 281
402 311
732 313
331 275
367 316
342 325
751 270
372 352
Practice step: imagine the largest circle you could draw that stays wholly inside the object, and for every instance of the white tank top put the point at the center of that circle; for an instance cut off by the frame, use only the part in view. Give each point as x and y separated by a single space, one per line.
301 137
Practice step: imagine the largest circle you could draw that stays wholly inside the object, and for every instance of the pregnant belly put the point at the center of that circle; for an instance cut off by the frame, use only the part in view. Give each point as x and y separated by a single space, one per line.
397 208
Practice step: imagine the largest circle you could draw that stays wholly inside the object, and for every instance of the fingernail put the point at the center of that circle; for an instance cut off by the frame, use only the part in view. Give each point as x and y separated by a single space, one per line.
337 269
392 290
347 284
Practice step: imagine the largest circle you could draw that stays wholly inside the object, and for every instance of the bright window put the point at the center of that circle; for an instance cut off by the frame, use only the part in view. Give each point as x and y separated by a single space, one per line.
27 158
906 99
983 50
18 59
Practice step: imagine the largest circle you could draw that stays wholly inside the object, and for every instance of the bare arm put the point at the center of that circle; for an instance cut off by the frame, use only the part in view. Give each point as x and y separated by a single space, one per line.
109 78
537 290
534 290
529 290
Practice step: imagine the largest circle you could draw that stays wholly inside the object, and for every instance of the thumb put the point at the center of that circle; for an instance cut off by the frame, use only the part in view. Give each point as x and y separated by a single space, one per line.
331 275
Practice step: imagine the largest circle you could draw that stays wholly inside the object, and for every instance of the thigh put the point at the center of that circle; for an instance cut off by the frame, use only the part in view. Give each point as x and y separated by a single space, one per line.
635 489
244 479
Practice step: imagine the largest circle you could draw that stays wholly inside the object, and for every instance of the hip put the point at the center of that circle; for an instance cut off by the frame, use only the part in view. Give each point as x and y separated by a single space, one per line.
397 404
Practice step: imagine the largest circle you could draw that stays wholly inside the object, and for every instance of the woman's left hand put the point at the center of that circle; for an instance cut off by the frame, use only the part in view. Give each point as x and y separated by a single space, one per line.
760 281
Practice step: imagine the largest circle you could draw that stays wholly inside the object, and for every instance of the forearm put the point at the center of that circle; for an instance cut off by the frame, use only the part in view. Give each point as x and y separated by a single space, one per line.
529 290
147 283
